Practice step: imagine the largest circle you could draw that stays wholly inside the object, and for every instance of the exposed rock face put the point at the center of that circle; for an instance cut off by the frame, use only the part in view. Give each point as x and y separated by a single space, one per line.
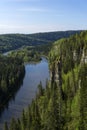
52 75
55 74
74 55
58 77
84 57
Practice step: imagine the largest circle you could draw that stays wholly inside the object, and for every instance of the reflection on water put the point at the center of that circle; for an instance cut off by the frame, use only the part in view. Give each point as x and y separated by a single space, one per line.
34 73
12 96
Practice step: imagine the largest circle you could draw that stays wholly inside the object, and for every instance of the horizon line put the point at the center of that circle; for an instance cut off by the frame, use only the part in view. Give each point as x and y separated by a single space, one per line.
43 32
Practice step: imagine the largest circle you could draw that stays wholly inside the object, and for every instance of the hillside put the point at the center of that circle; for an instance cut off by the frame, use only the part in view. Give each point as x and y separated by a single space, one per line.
63 104
15 41
11 75
68 64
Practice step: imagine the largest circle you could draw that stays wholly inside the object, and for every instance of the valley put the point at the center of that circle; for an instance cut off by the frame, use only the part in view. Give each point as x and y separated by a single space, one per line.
58 103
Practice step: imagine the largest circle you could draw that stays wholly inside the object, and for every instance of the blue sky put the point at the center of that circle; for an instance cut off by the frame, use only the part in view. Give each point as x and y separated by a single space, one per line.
31 16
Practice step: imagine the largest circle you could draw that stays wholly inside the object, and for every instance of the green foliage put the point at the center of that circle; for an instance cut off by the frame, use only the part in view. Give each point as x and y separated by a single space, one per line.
70 50
83 97
73 53
60 106
15 41
43 113
11 73
31 53
5 126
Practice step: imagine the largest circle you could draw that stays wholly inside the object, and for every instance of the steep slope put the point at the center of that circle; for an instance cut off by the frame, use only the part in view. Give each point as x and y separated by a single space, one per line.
71 55
11 75
63 104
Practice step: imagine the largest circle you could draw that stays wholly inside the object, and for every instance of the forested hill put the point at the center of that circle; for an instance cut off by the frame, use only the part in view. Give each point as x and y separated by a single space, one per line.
15 41
63 104
68 64
70 50
53 36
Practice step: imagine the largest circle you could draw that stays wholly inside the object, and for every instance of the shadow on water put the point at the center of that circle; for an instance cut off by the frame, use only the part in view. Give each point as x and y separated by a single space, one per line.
26 91
11 95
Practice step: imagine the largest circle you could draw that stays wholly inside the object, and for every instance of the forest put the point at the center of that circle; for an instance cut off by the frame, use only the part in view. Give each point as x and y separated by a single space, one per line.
12 66
15 41
11 74
32 53
62 105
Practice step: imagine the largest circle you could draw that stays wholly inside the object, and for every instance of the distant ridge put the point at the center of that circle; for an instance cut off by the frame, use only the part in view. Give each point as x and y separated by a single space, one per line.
15 41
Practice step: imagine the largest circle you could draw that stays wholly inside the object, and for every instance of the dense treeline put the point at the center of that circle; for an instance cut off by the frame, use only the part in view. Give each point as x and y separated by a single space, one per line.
63 104
42 114
53 36
51 111
11 74
32 53
72 53
70 50
15 41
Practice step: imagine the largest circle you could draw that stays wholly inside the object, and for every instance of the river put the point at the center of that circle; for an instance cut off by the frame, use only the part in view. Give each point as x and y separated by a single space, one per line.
34 73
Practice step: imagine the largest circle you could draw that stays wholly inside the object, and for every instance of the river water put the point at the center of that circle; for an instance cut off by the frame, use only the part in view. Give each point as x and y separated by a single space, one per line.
34 73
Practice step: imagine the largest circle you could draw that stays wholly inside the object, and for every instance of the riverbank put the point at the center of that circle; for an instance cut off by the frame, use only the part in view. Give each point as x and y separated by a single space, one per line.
34 73
11 76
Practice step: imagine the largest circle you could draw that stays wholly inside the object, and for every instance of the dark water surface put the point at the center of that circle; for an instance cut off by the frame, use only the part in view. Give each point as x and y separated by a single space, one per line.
34 73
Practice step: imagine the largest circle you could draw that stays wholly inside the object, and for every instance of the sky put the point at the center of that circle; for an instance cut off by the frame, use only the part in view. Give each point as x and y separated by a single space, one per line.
32 16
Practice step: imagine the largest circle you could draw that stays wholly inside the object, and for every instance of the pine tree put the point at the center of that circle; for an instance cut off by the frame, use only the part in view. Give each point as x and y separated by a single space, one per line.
6 126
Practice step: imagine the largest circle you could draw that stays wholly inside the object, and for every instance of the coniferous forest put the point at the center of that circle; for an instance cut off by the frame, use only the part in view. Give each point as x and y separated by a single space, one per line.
11 74
62 104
